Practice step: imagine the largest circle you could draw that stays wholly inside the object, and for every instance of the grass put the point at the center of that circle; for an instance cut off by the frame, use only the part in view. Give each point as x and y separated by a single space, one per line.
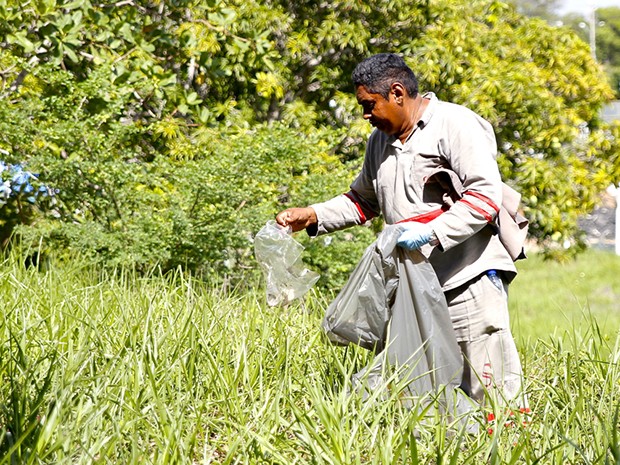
113 368
550 297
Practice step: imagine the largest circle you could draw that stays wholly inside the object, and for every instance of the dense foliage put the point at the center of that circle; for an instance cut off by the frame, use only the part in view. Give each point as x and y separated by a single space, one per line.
606 24
600 26
22 197
174 130
540 8
608 43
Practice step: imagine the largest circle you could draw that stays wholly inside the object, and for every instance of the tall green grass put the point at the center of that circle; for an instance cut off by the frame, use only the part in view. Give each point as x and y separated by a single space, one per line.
115 368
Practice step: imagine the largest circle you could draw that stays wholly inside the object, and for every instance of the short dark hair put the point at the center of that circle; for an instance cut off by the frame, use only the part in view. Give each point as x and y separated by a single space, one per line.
378 72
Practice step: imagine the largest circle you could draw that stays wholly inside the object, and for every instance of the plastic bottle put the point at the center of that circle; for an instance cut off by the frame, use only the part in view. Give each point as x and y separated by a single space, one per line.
495 279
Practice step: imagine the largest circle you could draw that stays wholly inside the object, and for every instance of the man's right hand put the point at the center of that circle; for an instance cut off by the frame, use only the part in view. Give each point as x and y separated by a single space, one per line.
297 218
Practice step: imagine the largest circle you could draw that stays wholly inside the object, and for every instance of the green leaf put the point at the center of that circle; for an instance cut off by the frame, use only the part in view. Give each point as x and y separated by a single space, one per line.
20 38
71 55
193 99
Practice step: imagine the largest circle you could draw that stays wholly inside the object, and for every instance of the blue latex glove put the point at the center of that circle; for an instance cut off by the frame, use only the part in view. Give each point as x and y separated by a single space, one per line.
415 235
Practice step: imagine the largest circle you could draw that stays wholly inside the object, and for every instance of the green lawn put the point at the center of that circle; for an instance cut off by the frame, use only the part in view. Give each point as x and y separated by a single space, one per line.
550 298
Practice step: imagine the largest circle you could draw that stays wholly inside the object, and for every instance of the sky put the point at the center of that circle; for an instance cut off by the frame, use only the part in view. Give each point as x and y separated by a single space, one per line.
584 6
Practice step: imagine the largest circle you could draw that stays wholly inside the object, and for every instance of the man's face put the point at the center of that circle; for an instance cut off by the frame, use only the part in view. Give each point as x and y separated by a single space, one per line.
385 115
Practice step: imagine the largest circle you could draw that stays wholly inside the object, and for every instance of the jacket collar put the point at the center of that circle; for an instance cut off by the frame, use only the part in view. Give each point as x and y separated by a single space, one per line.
424 120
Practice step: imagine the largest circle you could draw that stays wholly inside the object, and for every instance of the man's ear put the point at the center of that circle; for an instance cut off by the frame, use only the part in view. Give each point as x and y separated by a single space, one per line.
399 92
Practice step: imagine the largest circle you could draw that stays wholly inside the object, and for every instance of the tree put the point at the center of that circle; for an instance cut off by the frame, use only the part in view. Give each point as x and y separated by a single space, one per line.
153 119
606 28
608 44
545 9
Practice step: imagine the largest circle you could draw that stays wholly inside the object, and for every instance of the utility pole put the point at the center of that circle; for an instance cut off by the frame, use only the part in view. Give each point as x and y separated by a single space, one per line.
593 33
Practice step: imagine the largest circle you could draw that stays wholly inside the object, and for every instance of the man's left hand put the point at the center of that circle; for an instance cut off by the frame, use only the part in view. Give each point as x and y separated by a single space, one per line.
415 235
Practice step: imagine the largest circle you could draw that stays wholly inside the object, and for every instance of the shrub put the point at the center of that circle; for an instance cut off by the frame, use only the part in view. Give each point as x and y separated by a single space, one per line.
23 197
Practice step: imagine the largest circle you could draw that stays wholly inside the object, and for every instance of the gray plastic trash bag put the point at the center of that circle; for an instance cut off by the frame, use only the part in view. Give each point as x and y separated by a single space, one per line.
361 311
393 302
279 255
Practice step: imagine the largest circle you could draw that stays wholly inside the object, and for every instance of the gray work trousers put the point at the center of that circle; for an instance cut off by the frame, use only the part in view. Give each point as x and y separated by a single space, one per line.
492 369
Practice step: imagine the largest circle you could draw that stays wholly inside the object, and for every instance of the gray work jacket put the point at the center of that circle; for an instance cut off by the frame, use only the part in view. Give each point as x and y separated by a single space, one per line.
396 181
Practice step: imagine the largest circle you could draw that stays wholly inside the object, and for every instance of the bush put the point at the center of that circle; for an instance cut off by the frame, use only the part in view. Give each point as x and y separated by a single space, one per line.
23 197
199 213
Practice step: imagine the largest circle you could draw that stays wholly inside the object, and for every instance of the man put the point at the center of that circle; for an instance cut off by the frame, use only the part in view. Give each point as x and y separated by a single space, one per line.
421 150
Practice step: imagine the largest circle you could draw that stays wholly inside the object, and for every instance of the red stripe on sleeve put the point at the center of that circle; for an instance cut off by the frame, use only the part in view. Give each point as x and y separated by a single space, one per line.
357 205
484 198
487 215
424 217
